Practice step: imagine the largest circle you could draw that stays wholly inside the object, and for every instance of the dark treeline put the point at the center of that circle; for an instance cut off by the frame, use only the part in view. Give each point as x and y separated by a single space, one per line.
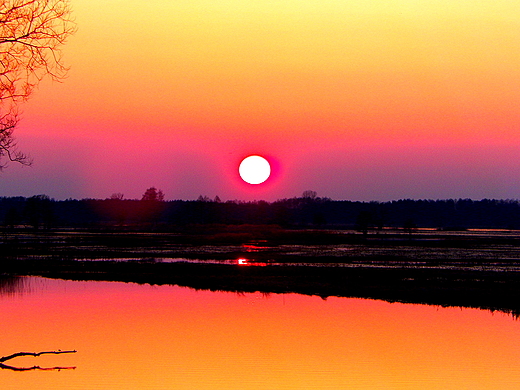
42 212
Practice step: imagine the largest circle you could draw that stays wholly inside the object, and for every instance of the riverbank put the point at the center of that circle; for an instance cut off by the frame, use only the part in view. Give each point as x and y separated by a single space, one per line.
478 269
491 290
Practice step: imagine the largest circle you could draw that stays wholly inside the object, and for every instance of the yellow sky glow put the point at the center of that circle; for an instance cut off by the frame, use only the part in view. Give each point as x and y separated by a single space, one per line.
284 77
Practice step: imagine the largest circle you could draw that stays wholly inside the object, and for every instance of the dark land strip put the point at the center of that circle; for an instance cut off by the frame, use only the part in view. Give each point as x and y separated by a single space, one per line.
482 282
260 243
492 290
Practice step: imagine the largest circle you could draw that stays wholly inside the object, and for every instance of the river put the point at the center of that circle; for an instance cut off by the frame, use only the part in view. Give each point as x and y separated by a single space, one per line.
132 336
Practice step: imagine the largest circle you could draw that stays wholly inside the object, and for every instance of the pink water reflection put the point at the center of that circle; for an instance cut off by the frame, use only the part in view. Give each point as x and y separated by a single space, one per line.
131 336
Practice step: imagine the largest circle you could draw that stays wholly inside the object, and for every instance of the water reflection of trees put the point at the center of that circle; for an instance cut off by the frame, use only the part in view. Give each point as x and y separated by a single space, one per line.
11 285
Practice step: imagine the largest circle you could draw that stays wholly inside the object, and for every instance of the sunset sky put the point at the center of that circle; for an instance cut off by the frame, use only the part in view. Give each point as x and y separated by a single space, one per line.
357 100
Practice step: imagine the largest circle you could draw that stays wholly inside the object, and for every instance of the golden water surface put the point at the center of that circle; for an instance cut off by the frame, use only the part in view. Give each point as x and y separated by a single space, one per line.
131 336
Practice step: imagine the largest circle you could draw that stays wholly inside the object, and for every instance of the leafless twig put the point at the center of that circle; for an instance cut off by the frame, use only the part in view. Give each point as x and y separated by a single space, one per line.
35 354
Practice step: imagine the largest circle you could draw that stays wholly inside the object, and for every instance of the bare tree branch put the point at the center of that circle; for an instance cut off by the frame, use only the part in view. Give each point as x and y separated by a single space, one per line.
35 354
7 367
32 33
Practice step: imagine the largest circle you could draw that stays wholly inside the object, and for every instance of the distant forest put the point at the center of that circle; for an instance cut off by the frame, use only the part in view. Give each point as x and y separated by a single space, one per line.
308 211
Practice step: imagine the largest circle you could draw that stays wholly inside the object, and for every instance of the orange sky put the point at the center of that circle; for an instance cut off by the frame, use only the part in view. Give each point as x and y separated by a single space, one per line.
355 100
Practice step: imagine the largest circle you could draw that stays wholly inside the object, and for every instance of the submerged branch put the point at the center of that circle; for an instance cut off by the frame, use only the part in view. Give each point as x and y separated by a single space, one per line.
35 354
7 367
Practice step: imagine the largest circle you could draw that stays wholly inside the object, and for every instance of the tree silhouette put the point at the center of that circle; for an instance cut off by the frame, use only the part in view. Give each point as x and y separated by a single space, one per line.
308 194
115 208
152 194
117 196
31 35
38 210
152 204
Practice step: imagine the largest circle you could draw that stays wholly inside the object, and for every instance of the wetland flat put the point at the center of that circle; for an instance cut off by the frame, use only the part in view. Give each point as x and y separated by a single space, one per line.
469 268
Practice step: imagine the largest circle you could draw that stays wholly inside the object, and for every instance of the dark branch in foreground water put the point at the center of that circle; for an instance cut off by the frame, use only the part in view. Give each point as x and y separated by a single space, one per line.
35 354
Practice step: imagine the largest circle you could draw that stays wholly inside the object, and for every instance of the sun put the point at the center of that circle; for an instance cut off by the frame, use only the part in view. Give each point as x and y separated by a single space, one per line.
254 169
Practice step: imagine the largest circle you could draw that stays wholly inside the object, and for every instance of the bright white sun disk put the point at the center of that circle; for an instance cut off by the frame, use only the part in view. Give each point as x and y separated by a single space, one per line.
254 169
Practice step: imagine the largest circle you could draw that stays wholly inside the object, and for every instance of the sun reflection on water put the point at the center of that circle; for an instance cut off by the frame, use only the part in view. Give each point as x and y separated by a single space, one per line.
247 262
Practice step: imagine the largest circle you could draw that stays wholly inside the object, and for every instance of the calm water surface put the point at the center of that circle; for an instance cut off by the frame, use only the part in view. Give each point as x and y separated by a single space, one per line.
131 336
